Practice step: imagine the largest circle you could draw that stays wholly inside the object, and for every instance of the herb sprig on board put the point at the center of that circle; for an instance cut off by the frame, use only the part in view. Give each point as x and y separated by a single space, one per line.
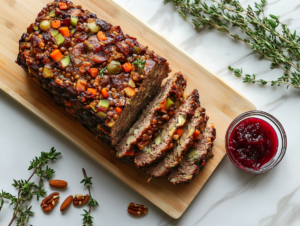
282 48
27 190
87 218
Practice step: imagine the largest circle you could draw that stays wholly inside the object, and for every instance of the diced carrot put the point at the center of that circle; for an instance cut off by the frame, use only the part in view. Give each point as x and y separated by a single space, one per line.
80 85
55 23
59 81
56 55
196 133
62 5
104 93
68 103
65 31
130 153
94 72
127 67
179 131
118 110
101 36
76 12
129 91
163 104
91 91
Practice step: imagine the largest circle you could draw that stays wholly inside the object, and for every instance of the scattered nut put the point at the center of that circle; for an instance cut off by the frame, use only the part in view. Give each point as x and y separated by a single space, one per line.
58 183
66 203
80 199
50 201
136 209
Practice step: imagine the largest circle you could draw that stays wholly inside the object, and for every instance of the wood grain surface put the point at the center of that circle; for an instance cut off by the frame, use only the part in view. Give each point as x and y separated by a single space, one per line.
223 103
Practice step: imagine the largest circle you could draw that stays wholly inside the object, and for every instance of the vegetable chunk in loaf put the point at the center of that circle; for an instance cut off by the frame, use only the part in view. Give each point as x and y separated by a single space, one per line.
153 118
196 159
191 133
100 75
159 146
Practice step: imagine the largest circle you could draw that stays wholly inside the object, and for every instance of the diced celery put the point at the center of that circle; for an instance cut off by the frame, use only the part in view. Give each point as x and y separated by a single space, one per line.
137 49
53 32
52 13
171 131
35 27
131 130
191 131
158 140
129 139
94 28
65 62
73 31
102 114
180 120
111 123
104 103
169 103
193 155
74 21
59 39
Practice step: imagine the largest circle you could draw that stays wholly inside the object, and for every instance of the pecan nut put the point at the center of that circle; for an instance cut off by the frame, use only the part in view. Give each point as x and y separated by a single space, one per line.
50 201
80 199
136 209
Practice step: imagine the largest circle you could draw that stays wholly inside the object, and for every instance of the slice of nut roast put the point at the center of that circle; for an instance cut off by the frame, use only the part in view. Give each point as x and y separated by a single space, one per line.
102 77
164 141
196 159
154 116
191 133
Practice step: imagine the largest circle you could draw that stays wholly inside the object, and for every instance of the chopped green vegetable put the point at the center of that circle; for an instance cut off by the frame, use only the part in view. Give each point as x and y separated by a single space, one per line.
101 72
158 140
129 139
52 13
172 130
104 103
102 114
74 21
180 120
111 123
114 67
35 27
94 28
45 25
137 50
59 39
169 103
193 155
53 32
65 62
191 131
140 64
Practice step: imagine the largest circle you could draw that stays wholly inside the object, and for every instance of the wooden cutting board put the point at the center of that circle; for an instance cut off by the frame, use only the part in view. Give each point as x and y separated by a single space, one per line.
223 103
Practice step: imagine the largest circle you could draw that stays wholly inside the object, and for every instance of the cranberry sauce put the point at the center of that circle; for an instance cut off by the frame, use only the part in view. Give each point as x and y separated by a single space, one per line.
252 143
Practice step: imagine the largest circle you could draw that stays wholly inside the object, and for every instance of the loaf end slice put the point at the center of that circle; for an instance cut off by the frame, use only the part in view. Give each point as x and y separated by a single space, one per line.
196 159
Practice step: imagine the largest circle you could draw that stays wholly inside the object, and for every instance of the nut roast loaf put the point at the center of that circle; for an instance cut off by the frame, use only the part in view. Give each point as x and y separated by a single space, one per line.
107 80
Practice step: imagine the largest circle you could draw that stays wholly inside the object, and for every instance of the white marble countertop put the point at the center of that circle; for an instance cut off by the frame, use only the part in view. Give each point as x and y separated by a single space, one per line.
230 197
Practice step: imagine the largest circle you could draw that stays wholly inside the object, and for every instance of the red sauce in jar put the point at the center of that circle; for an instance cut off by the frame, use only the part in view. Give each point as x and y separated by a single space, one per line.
252 143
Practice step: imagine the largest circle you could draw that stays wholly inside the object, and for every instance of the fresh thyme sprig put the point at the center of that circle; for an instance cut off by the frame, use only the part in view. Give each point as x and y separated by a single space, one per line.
87 218
140 64
27 190
101 72
281 48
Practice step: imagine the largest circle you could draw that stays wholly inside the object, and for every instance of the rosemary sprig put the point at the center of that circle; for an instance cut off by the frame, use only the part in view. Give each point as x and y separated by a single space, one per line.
140 64
27 190
281 48
87 218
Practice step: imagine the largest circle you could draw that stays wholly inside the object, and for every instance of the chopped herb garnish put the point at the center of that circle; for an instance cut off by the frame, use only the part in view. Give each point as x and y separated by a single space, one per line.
101 72
140 64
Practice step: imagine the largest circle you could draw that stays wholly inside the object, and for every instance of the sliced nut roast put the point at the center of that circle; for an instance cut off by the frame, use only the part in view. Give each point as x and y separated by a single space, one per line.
66 203
50 201
137 209
80 199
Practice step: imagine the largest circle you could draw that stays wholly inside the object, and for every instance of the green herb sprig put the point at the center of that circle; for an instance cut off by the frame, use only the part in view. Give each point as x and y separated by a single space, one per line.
27 190
281 48
101 72
87 218
140 64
